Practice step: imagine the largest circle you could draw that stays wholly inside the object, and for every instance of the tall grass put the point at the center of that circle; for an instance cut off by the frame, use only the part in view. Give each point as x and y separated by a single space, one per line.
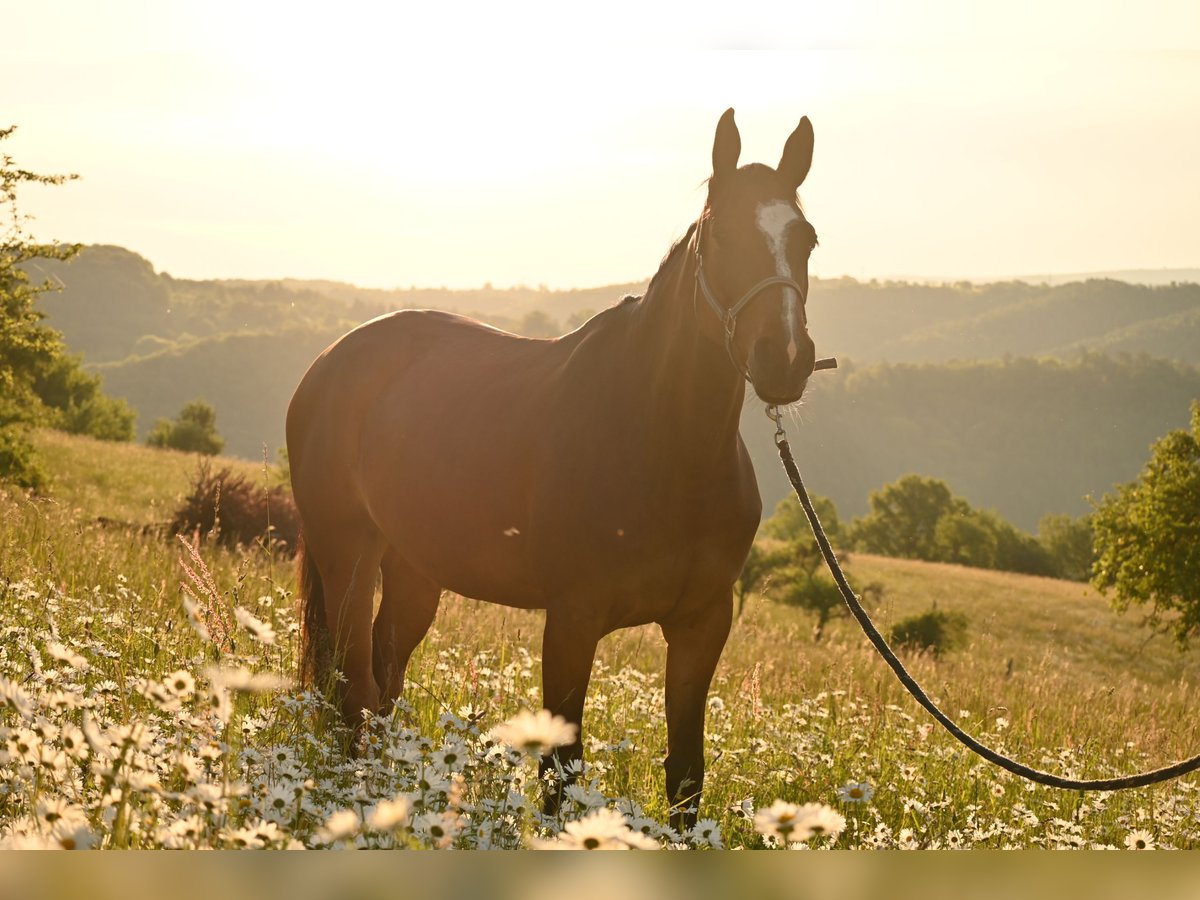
1051 676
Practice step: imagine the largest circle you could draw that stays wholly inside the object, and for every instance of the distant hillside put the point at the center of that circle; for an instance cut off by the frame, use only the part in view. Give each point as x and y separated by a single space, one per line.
1022 436
114 305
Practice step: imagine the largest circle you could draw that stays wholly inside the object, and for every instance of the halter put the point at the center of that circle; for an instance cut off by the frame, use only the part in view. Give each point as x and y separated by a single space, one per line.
728 316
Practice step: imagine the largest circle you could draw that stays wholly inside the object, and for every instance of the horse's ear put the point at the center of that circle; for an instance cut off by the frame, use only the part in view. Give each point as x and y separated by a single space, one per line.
797 154
727 146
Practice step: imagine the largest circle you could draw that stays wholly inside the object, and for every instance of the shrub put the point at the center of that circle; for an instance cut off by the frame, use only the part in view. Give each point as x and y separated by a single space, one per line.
934 632
237 511
18 463
195 431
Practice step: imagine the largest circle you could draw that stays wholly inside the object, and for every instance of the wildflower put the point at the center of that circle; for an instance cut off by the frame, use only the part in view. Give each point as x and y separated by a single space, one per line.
65 654
341 825
74 834
536 733
180 683
1139 840
244 681
706 833
12 696
56 810
267 832
183 833
261 631
279 803
907 839
71 739
601 829
388 815
242 838
195 617
437 827
790 823
856 792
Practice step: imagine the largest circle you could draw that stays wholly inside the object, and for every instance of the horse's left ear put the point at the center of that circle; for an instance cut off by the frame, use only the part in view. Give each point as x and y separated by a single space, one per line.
727 146
797 155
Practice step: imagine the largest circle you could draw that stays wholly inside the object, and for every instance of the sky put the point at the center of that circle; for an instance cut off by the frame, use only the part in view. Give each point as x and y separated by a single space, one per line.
395 144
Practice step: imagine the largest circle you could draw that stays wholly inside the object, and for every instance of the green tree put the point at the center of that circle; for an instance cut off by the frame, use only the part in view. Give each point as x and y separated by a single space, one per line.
904 518
967 539
27 347
75 404
194 430
1068 543
1147 536
788 522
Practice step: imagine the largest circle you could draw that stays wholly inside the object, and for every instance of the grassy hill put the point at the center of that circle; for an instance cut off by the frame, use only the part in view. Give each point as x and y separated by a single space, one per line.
1051 674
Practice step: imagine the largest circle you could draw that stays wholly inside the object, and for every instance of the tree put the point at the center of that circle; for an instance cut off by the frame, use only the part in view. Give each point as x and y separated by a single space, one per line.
195 430
904 518
27 347
1147 536
788 522
1068 543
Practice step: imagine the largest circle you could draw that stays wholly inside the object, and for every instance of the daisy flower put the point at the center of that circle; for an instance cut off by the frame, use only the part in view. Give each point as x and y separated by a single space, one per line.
536 733
789 822
601 829
388 815
261 631
341 825
856 792
1139 840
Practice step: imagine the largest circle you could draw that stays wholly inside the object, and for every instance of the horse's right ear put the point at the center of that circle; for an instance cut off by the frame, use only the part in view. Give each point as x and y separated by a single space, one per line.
727 146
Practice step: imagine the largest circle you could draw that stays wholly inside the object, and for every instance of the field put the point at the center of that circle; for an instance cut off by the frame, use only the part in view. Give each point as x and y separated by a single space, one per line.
124 726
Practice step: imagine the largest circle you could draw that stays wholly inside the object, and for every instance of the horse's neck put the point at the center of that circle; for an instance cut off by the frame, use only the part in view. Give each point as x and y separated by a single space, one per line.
689 381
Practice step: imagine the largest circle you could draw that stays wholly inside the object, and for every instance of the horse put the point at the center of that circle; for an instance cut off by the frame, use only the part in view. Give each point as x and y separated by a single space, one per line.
598 476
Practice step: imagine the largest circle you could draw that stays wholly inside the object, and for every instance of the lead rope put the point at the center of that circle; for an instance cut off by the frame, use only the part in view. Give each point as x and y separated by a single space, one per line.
889 656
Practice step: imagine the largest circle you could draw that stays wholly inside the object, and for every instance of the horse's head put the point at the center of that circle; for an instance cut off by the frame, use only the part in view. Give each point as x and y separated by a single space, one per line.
753 245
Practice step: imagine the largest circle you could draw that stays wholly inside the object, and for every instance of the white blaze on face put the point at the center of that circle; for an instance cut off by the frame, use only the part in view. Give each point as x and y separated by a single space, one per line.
774 219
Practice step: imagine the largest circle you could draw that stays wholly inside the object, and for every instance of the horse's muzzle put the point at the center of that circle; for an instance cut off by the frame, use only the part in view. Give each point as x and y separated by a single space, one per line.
777 378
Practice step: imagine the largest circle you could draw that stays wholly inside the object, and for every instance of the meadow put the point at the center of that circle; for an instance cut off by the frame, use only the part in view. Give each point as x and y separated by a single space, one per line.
147 699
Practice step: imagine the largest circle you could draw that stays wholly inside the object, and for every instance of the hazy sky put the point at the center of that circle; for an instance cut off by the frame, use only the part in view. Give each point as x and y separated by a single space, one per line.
395 144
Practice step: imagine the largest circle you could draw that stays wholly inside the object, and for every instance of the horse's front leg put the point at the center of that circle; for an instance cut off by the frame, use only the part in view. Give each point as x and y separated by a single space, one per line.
694 644
568 650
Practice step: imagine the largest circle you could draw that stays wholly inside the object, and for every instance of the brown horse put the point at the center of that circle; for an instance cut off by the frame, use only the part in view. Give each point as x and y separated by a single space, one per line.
599 476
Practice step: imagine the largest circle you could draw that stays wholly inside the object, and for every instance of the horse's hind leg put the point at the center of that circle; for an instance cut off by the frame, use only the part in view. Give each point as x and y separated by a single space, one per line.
409 604
348 570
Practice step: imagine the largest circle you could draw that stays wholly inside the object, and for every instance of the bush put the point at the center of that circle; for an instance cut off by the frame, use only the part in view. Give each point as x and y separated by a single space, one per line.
237 511
934 632
18 462
195 431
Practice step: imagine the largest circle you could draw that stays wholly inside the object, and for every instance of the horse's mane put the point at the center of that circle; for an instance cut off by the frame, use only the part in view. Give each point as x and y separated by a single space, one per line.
675 250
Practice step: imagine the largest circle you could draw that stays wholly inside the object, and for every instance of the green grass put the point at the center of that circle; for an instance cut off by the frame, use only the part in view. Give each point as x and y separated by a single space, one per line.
1050 673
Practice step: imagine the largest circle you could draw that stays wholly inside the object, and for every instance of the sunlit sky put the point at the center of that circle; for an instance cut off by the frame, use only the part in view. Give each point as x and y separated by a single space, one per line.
566 144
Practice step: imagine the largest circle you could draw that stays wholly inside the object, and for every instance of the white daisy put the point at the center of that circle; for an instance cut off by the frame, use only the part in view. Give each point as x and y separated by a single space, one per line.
856 792
388 815
536 733
1139 840
261 631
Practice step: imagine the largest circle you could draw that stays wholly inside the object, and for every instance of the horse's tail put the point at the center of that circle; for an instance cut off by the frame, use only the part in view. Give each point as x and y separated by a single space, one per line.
316 647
